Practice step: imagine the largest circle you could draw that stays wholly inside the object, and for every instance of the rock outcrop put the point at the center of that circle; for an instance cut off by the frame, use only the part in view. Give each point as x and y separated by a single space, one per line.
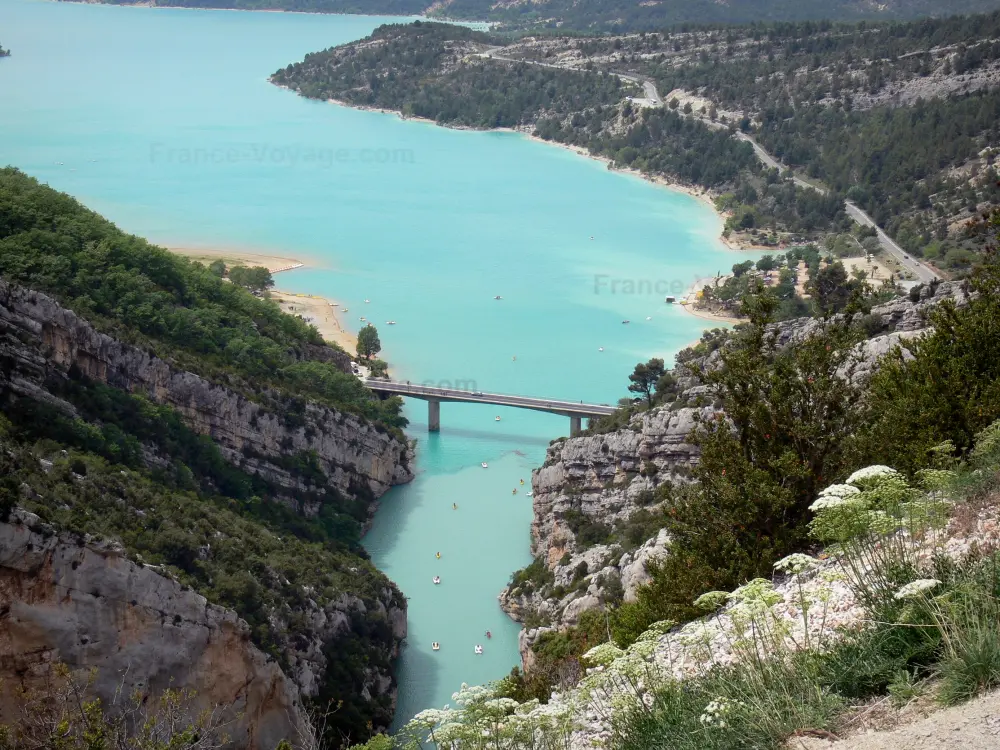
40 340
608 478
89 607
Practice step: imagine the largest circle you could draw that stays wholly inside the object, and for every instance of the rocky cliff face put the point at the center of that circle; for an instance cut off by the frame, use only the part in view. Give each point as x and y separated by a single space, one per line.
608 479
39 340
89 607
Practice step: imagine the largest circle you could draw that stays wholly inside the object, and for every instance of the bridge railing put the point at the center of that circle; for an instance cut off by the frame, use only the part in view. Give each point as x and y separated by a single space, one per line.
430 390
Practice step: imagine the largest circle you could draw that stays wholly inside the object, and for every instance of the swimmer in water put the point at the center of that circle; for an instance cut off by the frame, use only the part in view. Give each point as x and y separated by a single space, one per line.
454 506
438 555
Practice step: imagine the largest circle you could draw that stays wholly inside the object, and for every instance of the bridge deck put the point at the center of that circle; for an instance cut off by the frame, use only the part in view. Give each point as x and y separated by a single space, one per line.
432 393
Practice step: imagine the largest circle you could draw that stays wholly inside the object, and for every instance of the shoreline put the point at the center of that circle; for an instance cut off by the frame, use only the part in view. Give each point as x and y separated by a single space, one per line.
691 295
321 312
698 193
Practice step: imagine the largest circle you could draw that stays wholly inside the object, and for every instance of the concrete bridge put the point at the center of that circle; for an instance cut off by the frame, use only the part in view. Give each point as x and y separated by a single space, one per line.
576 411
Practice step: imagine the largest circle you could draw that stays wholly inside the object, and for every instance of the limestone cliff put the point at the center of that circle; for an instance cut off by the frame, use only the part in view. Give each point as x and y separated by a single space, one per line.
40 340
88 606
608 479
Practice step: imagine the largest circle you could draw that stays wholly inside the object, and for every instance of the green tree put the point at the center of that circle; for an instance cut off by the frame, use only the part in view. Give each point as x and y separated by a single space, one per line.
218 267
645 377
368 342
255 278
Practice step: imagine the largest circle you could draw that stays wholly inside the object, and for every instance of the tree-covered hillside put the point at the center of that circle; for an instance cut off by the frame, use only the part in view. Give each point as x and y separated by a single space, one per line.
613 15
269 536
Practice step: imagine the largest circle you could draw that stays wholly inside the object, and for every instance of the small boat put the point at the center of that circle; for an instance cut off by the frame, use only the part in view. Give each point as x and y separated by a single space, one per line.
529 494
479 649
367 301
670 300
363 320
514 491
498 297
485 465
390 322
600 348
435 646
454 506
344 309
513 359
626 322
591 236
649 317
438 555
437 580
496 418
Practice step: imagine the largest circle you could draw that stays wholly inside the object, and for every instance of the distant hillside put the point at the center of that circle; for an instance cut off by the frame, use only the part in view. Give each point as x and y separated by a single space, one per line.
614 15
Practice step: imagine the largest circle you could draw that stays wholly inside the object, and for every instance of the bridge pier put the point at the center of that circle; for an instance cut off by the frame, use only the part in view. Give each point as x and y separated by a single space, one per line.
433 415
574 425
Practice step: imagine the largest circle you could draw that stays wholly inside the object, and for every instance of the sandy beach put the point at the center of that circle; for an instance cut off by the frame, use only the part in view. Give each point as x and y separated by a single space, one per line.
323 313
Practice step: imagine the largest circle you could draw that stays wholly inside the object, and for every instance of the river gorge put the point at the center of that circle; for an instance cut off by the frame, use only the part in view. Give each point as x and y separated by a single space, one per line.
164 121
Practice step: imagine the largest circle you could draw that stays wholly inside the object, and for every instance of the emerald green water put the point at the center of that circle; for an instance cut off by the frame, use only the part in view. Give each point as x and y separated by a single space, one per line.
163 120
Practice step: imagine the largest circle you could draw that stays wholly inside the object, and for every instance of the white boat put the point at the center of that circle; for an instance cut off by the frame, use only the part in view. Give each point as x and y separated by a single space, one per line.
435 646
437 580
498 297
367 301
530 494
496 419
479 649
362 320
591 236
390 322
626 322
344 309
600 348
485 465
649 317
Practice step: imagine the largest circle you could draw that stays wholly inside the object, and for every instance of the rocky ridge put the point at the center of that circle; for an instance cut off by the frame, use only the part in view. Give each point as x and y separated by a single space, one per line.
40 340
41 343
608 479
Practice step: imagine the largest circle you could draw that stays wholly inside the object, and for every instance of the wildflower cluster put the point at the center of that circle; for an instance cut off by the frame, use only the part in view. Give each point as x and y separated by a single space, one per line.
918 588
715 713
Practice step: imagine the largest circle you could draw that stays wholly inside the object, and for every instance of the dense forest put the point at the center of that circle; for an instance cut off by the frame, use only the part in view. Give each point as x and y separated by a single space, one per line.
90 469
432 70
613 15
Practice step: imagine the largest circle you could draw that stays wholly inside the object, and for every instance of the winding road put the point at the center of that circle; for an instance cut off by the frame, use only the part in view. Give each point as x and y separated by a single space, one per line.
921 271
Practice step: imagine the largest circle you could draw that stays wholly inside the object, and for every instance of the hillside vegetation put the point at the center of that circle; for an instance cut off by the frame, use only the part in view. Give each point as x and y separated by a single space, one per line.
103 461
439 72
613 15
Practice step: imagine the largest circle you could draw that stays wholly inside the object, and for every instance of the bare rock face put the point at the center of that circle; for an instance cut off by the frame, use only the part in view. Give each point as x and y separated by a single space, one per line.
40 342
87 606
42 339
608 478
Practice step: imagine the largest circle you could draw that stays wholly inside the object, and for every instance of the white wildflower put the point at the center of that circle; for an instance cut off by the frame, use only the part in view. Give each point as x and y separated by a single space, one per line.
839 490
796 563
603 654
871 475
916 588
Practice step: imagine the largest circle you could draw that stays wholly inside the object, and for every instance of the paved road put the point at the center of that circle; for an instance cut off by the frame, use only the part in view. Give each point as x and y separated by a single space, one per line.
431 393
918 269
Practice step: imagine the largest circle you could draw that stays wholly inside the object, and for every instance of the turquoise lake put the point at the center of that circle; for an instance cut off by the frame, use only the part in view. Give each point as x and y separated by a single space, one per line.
164 121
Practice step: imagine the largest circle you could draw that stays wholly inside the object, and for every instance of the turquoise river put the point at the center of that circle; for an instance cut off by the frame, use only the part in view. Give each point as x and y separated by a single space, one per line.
164 121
